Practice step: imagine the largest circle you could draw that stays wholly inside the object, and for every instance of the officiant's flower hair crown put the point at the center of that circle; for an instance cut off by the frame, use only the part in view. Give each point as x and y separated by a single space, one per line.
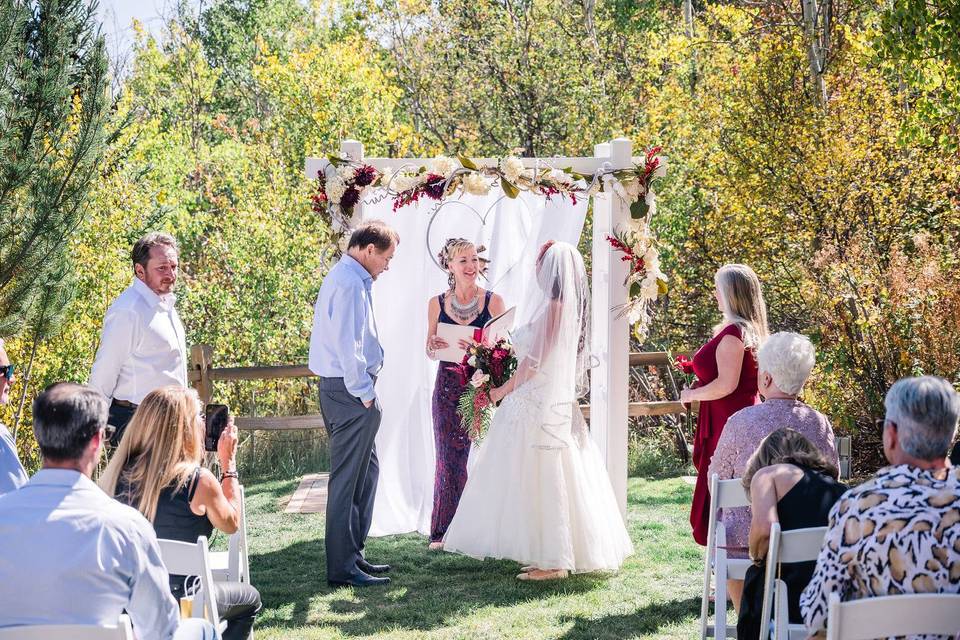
454 246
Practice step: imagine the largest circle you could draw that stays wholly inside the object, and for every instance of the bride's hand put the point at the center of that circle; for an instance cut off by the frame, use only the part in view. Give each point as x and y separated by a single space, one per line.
497 394
466 343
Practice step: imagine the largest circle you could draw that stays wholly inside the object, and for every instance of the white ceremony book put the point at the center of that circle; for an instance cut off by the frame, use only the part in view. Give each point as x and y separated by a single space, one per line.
495 329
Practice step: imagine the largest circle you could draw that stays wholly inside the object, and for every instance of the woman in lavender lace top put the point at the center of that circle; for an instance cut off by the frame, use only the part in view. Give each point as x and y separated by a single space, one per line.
784 361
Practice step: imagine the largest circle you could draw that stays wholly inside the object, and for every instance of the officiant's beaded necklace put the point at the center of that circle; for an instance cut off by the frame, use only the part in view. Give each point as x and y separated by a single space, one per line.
464 312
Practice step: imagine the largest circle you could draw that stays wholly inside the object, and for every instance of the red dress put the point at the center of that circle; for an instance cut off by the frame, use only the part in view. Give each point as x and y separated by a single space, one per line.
712 418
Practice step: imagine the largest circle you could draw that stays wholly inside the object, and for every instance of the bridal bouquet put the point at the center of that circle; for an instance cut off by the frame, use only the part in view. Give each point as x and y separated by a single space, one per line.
484 367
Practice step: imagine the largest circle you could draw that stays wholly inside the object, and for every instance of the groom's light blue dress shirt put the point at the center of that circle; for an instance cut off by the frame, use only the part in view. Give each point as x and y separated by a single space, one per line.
71 554
12 474
344 341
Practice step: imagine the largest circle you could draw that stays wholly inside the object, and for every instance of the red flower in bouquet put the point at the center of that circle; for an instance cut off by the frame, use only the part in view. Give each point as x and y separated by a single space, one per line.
684 364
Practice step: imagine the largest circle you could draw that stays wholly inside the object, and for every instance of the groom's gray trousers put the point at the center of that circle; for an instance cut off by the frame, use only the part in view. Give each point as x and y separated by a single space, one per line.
351 428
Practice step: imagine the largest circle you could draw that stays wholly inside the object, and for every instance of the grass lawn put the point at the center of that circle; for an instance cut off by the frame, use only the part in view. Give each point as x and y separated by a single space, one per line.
442 595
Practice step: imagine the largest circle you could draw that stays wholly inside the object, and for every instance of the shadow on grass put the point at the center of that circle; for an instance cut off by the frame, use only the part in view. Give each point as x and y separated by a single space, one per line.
648 619
429 590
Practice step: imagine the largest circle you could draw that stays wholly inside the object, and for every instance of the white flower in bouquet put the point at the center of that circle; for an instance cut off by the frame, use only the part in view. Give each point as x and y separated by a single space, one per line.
512 168
346 172
634 189
472 361
476 184
335 189
479 379
443 166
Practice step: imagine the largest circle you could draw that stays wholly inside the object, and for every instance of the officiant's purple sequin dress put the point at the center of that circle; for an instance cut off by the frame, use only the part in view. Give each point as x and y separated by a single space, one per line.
452 443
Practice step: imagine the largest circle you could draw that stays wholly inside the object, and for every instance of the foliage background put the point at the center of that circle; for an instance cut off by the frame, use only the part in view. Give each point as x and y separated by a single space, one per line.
848 208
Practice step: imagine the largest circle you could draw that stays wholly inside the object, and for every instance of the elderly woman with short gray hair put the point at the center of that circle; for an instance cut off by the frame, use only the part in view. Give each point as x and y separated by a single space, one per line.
784 362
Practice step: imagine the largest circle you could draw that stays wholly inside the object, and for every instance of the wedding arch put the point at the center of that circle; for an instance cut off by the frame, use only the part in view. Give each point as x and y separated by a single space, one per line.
613 263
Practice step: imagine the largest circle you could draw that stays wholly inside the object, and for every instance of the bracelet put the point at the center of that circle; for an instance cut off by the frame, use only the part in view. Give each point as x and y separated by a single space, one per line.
229 474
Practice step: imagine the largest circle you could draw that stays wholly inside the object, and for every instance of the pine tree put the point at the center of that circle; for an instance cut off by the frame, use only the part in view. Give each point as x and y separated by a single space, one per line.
54 107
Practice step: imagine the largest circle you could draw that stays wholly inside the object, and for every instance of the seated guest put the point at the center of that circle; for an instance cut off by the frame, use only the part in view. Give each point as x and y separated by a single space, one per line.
789 481
897 533
156 469
71 555
12 474
784 363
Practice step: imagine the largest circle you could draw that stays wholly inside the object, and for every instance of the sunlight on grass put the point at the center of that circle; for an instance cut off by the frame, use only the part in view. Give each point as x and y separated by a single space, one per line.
441 595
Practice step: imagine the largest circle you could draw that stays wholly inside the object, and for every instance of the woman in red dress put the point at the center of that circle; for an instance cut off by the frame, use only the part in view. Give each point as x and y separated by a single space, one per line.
726 369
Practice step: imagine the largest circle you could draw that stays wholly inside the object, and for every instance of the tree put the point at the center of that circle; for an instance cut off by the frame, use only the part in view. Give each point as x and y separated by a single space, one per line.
54 106
918 43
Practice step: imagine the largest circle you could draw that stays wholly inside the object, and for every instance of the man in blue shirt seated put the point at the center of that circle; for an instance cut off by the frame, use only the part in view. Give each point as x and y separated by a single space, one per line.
12 474
71 554
345 352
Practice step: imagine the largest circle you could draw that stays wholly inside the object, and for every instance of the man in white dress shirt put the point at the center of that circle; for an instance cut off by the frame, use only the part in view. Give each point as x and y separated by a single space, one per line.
142 345
71 554
12 474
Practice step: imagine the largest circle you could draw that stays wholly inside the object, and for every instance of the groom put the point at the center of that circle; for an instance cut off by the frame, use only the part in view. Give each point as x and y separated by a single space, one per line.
346 354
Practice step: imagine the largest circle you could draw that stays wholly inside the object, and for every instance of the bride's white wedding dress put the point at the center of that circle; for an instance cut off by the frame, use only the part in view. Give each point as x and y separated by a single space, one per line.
538 492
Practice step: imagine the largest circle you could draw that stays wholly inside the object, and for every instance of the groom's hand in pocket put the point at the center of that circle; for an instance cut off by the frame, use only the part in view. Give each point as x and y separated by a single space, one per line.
367 403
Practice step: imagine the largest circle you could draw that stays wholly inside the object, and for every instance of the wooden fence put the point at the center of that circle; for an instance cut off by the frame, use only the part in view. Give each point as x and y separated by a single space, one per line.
203 374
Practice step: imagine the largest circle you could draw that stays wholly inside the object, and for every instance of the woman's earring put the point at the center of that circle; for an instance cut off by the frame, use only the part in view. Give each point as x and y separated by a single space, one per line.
451 280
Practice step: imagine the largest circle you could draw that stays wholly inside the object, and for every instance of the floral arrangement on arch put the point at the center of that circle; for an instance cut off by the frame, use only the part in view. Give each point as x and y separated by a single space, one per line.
645 280
344 183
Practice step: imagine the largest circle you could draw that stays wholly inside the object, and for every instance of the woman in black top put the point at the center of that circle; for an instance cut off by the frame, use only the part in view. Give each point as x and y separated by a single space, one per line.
789 481
156 469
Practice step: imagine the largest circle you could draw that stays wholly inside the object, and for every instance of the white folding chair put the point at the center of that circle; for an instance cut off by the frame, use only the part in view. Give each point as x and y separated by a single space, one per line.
798 545
123 631
183 558
233 565
724 494
888 616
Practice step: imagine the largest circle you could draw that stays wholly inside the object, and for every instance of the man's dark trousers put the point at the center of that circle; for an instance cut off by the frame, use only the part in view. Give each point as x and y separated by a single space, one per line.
351 428
120 415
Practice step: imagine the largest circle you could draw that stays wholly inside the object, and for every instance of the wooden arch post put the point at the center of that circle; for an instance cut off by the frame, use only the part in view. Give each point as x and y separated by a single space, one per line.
609 380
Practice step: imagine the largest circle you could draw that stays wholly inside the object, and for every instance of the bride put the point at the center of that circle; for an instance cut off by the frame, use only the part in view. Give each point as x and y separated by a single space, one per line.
538 492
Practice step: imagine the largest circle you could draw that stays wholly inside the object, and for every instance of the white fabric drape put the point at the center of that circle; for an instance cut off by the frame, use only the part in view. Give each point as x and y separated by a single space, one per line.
513 231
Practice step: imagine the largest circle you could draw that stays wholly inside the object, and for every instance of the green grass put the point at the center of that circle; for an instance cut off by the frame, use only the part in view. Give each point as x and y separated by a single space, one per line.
442 595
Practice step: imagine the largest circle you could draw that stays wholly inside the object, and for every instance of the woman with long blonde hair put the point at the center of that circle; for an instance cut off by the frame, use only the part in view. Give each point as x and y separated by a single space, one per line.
157 470
726 369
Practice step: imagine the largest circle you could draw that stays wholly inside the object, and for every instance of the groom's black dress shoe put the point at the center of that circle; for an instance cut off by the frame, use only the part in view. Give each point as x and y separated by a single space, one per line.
361 580
366 567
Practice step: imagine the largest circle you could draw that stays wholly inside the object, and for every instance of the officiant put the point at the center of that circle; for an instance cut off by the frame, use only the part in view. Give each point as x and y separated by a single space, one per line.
465 304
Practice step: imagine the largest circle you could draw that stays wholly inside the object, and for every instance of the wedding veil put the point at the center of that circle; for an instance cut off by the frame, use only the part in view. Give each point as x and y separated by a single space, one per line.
554 354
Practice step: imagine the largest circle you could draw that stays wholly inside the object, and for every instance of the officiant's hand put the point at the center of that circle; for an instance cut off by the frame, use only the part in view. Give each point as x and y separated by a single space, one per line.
434 343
